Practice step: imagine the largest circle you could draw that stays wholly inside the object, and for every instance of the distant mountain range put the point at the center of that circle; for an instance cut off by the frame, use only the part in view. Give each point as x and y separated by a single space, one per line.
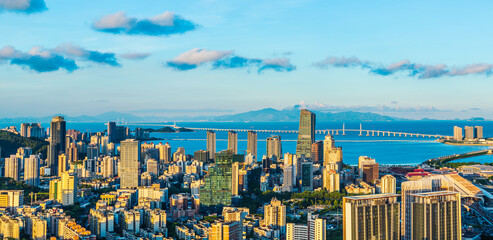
290 114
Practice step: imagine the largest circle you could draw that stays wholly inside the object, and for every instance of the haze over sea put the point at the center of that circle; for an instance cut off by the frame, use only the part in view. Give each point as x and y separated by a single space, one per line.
386 150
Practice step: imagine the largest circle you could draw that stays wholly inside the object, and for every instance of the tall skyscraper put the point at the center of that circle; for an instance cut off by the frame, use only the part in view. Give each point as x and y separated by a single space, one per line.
318 152
129 171
469 132
306 133
275 215
388 184
307 176
289 178
252 143
164 153
436 215
112 131
457 133
57 142
408 191
216 191
332 154
274 147
211 144
235 178
371 217
13 167
478 132
233 141
331 180
31 170
24 129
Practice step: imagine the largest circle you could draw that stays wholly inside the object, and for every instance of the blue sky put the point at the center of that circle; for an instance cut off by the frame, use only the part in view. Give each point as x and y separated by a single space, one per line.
402 58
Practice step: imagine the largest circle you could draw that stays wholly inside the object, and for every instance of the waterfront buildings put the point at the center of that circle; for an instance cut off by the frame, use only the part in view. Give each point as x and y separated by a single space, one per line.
369 217
233 141
306 133
129 171
252 143
274 147
458 133
469 132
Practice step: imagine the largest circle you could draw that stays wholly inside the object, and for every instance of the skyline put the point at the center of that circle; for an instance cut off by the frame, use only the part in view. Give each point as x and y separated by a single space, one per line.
235 57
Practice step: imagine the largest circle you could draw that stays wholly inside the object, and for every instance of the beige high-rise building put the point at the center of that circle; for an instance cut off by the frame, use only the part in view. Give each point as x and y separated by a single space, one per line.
129 171
368 217
62 164
362 161
320 229
331 180
275 215
226 231
31 170
296 231
457 133
478 132
68 190
388 184
11 198
469 132
436 215
274 147
235 175
38 228
109 167
332 154
233 141
13 167
409 189
252 143
211 144
164 152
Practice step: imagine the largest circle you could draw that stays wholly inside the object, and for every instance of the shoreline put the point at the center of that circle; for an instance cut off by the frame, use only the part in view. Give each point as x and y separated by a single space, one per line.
469 144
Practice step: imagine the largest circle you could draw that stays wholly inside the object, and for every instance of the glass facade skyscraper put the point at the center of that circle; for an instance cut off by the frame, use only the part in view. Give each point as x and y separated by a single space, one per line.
216 190
57 142
306 133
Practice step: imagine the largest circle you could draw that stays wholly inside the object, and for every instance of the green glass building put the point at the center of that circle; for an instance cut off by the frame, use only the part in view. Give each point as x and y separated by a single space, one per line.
306 133
216 191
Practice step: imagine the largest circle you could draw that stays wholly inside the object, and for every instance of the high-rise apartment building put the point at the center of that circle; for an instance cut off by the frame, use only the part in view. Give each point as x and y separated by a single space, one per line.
306 133
478 132
211 144
275 215
331 180
371 217
164 153
332 154
11 198
38 228
57 142
469 132
296 231
129 171
436 215
274 147
64 189
408 191
13 167
62 164
458 133
233 141
388 184
235 178
318 152
252 143
289 178
31 170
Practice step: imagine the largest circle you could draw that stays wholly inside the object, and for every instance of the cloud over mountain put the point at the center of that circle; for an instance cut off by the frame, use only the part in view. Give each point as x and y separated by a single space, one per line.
167 23
227 60
422 71
62 57
23 6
